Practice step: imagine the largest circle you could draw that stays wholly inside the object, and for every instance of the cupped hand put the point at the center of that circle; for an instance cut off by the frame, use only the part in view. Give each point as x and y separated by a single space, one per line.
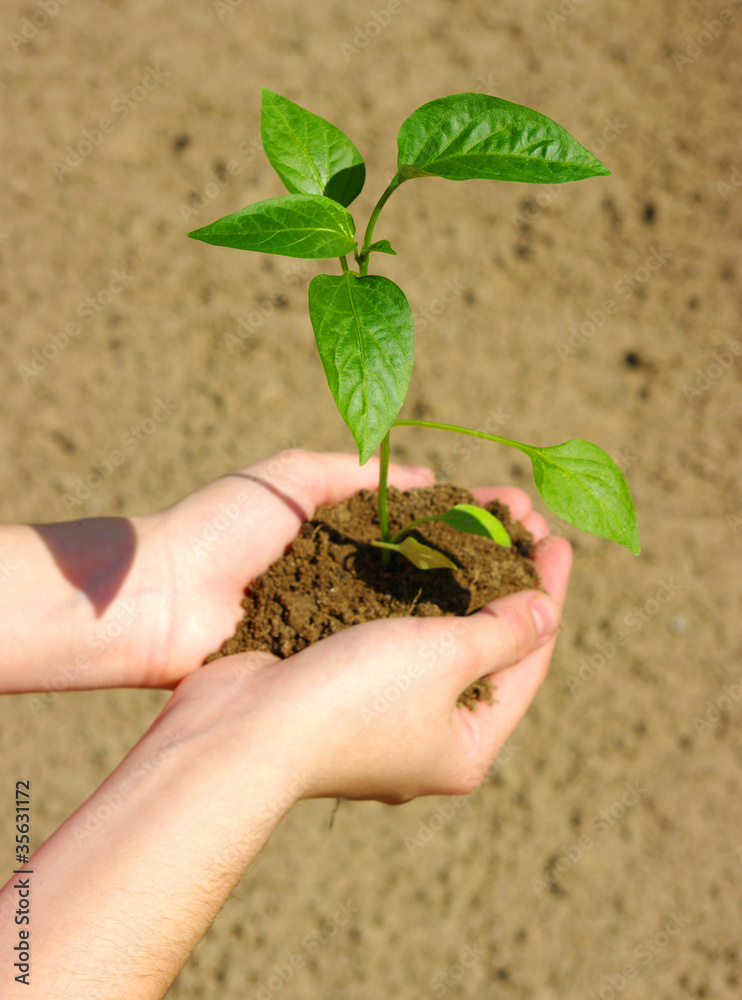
371 712
204 549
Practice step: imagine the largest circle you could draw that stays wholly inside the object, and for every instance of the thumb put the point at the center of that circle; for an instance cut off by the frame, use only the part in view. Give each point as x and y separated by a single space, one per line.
502 634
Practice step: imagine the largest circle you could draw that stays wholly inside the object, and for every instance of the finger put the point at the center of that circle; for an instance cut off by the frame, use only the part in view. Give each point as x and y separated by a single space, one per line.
515 499
313 479
502 633
553 560
537 525
517 685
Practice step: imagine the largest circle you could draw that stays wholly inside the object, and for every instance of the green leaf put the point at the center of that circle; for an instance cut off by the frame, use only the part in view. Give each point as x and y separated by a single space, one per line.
475 521
468 136
382 246
419 555
365 336
310 155
295 225
583 485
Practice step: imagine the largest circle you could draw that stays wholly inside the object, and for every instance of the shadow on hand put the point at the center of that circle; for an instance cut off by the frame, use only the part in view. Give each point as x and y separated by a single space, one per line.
94 554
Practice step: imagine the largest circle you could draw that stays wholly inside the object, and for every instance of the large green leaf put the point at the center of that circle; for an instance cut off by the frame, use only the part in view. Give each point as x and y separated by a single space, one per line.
583 485
295 225
365 335
310 155
468 136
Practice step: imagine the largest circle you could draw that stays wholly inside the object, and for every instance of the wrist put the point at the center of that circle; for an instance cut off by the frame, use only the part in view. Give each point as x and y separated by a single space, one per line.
236 703
124 607
79 600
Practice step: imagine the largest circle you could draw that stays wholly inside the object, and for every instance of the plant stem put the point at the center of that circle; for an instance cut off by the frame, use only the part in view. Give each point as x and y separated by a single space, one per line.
369 235
344 264
463 430
420 520
383 515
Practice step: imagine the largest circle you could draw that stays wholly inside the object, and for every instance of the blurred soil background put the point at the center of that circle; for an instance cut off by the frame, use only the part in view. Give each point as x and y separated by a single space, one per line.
604 852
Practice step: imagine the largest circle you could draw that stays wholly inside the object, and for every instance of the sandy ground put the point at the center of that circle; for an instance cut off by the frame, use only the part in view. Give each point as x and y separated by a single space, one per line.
647 876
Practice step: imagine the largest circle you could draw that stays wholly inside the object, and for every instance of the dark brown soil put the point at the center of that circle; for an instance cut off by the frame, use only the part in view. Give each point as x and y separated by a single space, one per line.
331 577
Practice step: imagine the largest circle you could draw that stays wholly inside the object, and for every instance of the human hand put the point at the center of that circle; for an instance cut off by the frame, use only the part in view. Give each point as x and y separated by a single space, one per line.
204 549
371 711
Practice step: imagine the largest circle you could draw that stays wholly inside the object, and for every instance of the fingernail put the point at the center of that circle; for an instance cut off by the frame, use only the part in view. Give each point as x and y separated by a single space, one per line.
546 614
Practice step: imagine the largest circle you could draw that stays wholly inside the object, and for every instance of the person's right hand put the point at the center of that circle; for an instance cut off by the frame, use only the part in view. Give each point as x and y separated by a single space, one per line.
371 713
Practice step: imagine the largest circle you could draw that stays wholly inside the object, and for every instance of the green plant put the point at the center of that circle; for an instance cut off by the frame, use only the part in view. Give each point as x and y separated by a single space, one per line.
362 322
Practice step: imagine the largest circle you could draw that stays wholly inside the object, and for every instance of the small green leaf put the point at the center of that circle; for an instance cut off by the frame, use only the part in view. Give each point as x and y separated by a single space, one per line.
310 155
583 485
419 555
382 246
475 521
468 136
365 335
295 225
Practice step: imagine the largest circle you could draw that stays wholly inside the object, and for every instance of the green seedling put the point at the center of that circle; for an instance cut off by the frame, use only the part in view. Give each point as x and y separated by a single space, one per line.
463 517
363 323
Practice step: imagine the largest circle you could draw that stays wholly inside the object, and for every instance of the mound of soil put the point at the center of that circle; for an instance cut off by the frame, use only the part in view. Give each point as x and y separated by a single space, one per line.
331 577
